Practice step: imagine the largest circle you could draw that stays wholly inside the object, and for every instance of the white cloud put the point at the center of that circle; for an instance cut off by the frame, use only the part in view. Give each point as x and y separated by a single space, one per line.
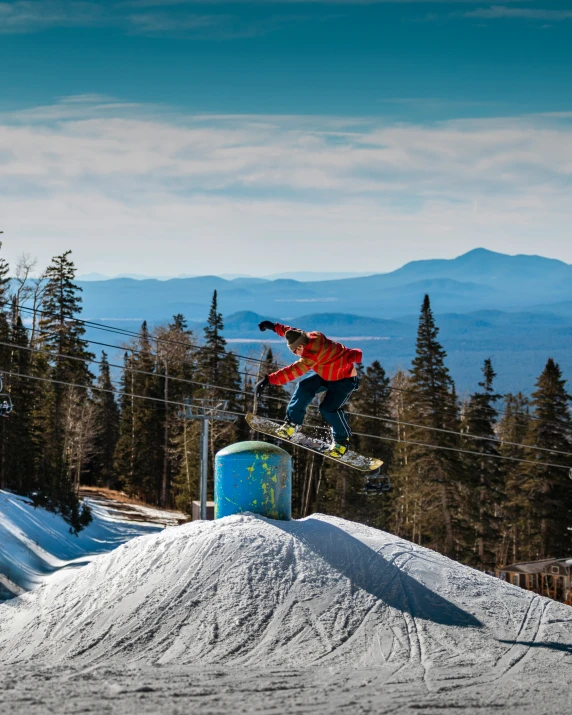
25 16
171 3
205 27
168 17
161 23
232 193
501 11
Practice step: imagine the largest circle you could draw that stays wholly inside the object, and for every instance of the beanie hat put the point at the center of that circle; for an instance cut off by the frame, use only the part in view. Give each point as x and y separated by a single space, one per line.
295 338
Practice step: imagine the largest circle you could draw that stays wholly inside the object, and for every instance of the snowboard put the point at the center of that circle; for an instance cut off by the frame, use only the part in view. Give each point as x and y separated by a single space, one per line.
315 444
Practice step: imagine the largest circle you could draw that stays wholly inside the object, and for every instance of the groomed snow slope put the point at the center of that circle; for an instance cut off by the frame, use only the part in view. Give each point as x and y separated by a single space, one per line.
249 592
35 543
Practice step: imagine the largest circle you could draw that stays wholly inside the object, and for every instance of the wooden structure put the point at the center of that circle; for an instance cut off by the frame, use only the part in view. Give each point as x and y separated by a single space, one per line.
196 510
547 577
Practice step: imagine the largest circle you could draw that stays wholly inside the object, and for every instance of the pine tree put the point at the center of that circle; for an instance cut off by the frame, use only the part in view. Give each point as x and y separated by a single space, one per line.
431 403
176 348
139 453
548 490
5 352
218 370
484 477
212 356
513 430
18 454
374 398
106 418
5 355
514 425
124 459
406 504
61 334
59 406
61 339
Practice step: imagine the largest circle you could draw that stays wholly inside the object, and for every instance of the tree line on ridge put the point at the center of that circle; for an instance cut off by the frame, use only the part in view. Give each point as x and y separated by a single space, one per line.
484 480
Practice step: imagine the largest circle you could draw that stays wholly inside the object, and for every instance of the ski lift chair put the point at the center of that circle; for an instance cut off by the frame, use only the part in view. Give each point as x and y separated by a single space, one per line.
376 484
6 405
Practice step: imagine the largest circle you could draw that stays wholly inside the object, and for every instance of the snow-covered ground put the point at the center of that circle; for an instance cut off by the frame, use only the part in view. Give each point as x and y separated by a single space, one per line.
253 615
36 544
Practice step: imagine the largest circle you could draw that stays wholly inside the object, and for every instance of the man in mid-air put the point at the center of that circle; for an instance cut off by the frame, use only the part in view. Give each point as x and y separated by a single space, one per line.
334 373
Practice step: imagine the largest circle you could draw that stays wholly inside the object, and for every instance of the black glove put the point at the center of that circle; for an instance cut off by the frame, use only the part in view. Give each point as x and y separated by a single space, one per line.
266 325
260 386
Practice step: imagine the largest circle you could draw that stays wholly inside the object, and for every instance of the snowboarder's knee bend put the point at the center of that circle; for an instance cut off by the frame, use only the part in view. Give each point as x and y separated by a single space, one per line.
338 422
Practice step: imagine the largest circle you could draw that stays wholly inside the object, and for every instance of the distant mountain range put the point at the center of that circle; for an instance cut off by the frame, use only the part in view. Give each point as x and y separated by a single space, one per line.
515 309
477 280
519 343
293 275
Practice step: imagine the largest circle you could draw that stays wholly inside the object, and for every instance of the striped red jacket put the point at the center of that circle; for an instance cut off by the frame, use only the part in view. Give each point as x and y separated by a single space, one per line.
330 360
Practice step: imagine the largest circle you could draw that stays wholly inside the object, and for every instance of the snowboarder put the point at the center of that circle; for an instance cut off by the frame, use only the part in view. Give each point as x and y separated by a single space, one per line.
334 373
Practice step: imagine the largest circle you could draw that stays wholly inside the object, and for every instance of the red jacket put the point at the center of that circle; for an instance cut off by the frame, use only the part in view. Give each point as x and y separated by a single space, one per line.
330 360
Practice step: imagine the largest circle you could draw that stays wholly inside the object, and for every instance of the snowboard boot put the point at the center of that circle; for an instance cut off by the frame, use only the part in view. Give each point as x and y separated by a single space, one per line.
287 430
338 449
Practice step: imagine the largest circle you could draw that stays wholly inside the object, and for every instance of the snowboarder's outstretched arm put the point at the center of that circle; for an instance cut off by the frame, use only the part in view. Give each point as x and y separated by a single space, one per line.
291 372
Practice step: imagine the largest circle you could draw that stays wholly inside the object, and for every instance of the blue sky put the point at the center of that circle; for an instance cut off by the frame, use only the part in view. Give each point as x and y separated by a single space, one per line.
359 135
293 57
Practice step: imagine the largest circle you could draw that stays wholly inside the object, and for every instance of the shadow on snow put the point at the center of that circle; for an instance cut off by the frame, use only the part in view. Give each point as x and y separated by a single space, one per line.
368 570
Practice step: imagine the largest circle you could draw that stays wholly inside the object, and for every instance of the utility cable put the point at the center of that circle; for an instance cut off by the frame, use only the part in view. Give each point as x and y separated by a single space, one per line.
461 434
198 348
245 392
123 331
246 374
465 451
130 333
104 389
242 414
121 348
171 378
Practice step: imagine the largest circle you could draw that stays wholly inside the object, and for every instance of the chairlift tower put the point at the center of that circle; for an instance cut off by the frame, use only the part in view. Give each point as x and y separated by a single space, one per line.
206 410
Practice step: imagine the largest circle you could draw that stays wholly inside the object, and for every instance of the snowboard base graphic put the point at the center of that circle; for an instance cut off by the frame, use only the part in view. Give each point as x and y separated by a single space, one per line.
314 444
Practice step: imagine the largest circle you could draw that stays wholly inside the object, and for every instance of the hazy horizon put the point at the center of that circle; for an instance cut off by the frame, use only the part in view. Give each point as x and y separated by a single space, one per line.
302 275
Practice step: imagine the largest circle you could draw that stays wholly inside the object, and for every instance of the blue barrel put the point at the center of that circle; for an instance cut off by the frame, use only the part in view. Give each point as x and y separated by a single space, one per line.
253 476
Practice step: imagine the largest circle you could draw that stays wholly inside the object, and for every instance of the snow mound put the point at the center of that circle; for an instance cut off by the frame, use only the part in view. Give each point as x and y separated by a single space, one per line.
246 590
36 543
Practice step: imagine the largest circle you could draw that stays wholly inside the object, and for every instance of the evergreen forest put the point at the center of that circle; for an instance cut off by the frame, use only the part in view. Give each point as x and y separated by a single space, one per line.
485 480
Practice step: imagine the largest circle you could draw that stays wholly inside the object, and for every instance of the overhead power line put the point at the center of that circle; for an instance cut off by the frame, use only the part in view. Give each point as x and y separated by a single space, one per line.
133 334
245 392
122 331
461 434
130 333
242 414
171 378
104 389
122 348
465 451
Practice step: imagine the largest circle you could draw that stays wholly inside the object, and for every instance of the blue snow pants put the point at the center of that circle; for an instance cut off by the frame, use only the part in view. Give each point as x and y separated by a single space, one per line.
338 392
